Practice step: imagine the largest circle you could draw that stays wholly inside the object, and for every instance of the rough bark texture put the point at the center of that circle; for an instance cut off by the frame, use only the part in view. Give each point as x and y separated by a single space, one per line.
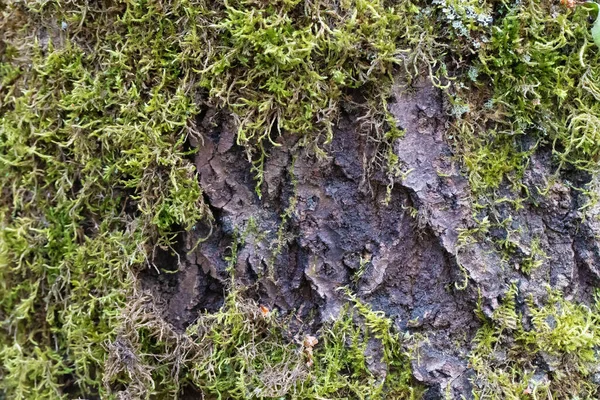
338 232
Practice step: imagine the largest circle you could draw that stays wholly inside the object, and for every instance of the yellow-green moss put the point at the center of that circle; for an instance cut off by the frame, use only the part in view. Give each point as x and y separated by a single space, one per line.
97 100
538 352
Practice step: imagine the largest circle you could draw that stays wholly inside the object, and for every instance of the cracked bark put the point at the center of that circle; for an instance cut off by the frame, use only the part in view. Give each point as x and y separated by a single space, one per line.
411 264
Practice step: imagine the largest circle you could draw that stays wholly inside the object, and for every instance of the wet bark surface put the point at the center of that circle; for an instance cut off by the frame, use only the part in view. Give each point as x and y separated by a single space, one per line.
319 227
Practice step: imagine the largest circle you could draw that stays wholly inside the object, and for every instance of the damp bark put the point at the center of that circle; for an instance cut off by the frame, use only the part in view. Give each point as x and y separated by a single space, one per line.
320 225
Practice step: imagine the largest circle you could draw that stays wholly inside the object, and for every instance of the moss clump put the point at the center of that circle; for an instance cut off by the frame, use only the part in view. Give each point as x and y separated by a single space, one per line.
525 83
93 173
529 89
246 352
540 352
282 66
536 86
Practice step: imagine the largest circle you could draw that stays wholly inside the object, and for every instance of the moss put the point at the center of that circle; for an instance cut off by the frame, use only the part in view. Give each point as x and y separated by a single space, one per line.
529 88
93 170
244 351
97 103
546 351
282 66
98 100
539 64
534 92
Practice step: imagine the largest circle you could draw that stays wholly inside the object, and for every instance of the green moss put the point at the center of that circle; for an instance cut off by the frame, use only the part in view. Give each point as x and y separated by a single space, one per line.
536 257
97 101
539 63
282 66
534 91
243 352
546 351
96 104
530 88
93 171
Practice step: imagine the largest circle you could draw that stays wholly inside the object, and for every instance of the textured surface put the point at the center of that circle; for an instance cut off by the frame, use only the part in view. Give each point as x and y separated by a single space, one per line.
319 227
